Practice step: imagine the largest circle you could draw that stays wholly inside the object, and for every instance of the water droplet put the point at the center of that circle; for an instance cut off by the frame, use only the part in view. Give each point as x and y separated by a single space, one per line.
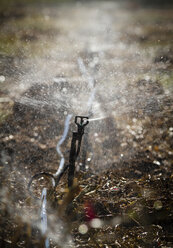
96 223
35 134
83 229
158 205
64 90
156 162
2 78
134 120
116 221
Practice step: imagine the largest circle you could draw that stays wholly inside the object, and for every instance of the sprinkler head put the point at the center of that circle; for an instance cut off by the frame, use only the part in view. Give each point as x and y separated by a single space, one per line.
81 122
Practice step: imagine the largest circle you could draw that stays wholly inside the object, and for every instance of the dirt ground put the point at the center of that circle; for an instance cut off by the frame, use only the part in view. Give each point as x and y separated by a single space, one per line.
123 198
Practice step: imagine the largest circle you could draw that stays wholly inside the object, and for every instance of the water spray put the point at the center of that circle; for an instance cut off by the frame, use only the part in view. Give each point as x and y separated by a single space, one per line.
98 118
81 122
92 83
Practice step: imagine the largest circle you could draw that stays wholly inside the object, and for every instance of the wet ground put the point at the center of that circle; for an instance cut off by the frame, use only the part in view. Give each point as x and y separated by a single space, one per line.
57 60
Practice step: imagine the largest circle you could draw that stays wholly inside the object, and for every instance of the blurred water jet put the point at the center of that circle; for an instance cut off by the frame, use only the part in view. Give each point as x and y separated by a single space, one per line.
97 119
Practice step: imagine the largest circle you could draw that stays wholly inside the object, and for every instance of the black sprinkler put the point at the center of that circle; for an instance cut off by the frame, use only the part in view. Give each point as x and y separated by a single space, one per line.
81 122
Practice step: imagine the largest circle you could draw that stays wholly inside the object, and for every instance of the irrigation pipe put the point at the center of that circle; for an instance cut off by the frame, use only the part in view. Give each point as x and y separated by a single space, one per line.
66 128
44 216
